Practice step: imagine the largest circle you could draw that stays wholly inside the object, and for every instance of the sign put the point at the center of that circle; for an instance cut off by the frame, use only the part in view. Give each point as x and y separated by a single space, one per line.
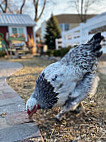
1 36
2 43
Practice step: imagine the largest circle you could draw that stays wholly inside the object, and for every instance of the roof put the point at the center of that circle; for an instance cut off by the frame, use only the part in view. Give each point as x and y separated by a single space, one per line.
71 18
16 20
97 16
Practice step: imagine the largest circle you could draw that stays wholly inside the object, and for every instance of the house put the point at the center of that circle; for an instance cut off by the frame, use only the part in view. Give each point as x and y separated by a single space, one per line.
66 22
19 25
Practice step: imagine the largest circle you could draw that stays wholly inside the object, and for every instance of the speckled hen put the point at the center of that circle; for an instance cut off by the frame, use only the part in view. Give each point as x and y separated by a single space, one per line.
69 81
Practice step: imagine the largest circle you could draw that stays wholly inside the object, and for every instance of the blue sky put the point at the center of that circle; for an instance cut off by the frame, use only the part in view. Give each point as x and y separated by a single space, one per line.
65 7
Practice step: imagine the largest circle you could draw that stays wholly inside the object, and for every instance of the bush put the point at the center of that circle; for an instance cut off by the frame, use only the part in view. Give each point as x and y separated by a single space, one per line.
61 52
50 52
58 53
2 53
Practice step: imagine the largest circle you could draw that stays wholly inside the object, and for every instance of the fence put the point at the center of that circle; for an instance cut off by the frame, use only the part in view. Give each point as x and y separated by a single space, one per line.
58 43
84 32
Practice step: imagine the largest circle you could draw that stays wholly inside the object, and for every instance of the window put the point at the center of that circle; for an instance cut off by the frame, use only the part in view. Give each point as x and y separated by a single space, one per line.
14 30
67 27
61 26
18 30
64 26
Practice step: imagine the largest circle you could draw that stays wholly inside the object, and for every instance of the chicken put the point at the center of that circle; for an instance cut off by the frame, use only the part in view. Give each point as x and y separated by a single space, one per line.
69 81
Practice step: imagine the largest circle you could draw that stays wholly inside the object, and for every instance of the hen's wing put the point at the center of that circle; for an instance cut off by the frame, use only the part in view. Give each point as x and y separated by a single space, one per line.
54 85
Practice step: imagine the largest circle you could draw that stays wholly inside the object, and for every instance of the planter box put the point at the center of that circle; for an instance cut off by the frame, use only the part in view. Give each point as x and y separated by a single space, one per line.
16 38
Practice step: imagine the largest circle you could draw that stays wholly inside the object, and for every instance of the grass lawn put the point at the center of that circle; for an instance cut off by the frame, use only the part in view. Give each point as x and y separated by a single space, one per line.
84 127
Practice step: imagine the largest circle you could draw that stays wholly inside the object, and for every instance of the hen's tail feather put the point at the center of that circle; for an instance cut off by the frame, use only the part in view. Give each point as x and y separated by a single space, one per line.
97 38
95 42
97 48
98 53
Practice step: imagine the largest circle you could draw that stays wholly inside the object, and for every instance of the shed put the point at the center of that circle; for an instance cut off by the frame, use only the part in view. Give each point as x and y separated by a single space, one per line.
17 24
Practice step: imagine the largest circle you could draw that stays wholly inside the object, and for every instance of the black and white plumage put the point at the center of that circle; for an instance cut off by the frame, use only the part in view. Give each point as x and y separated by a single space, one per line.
69 81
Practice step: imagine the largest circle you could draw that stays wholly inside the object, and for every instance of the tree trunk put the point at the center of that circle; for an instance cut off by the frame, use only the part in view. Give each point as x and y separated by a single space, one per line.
36 3
21 8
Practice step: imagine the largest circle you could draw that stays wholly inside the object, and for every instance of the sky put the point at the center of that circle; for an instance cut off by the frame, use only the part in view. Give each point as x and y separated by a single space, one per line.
64 7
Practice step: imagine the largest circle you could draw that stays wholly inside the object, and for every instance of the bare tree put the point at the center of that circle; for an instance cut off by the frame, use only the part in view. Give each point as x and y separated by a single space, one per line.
82 7
39 7
11 6
4 6
36 6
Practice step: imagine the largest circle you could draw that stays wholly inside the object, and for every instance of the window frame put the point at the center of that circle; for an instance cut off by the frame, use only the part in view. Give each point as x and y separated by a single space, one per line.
61 25
66 26
24 31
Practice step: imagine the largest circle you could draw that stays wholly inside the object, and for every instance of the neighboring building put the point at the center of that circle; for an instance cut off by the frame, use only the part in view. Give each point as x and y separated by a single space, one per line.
83 33
12 24
66 22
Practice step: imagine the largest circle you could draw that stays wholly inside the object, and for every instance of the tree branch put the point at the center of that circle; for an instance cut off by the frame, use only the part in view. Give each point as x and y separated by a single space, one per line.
6 6
21 8
82 5
36 3
10 10
42 10
3 2
1 8
77 8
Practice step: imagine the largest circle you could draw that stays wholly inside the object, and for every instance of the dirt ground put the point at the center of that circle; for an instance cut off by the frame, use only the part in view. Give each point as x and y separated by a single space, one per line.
88 126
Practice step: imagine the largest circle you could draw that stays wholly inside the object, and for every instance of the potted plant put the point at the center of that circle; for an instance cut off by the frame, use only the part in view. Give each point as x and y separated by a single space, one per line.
16 35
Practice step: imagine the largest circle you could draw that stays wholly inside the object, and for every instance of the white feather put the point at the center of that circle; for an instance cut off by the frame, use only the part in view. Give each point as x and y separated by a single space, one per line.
31 103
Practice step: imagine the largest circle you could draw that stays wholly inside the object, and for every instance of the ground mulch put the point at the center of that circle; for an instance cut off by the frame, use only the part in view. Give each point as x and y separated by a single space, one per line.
88 126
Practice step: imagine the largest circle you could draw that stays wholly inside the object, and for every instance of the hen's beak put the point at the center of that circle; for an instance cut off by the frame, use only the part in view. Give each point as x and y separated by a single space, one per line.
30 114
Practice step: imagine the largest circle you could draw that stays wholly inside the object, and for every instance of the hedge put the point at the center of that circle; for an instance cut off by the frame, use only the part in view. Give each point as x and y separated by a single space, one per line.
58 53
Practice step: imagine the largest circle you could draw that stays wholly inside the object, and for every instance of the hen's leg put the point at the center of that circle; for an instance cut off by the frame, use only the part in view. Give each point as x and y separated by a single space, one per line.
81 105
86 87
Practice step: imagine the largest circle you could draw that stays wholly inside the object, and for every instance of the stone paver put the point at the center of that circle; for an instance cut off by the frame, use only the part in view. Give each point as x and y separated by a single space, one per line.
18 132
14 123
16 119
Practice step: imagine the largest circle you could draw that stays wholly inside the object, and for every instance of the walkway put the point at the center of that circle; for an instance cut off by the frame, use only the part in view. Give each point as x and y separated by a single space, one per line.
14 124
